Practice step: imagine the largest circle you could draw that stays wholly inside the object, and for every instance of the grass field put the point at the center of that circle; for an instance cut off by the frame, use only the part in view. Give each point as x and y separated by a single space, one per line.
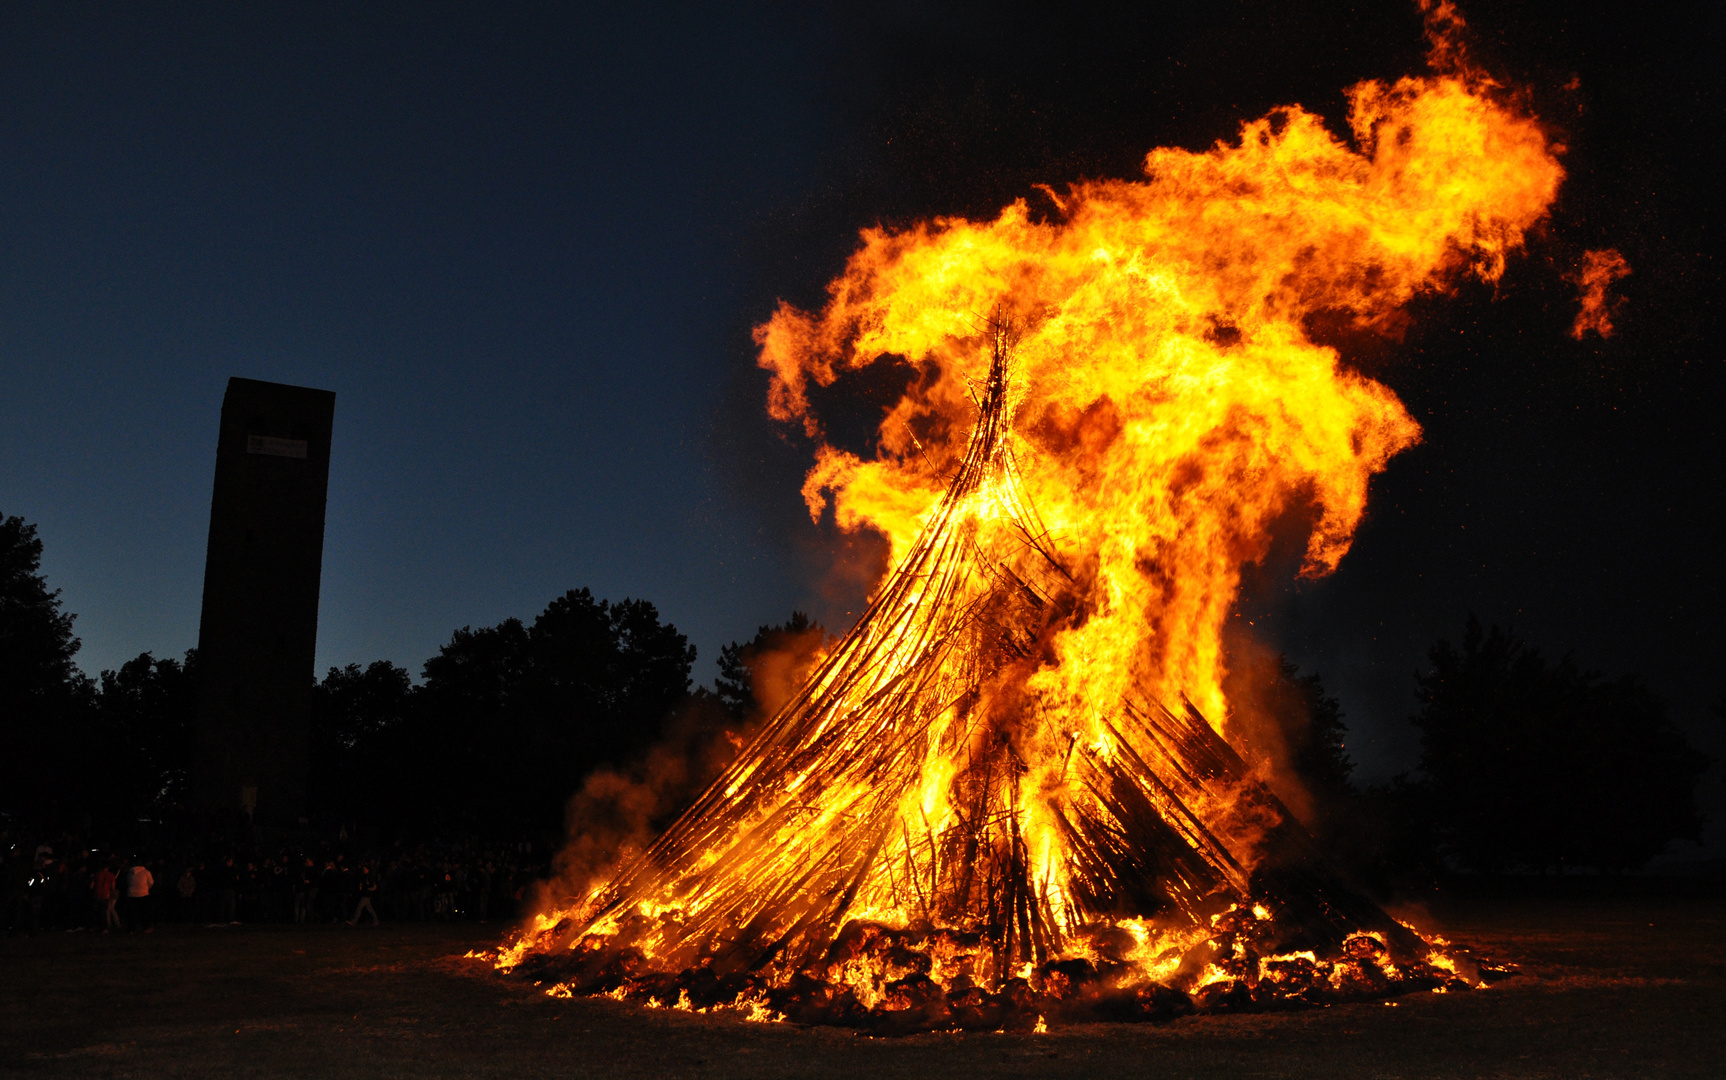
1611 986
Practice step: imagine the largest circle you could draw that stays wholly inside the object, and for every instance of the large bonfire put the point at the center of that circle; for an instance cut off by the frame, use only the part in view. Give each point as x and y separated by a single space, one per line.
1011 794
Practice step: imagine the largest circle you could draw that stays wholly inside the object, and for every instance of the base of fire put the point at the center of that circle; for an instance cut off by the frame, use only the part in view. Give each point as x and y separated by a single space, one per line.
894 853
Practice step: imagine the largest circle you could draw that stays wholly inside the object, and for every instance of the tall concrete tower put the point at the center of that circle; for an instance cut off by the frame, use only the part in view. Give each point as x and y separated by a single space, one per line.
259 632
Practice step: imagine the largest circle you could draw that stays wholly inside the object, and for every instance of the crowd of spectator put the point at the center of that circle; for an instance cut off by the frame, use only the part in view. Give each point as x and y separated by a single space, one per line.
64 883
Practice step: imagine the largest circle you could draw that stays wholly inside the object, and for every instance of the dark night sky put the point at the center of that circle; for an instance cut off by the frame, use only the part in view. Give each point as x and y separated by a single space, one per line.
524 246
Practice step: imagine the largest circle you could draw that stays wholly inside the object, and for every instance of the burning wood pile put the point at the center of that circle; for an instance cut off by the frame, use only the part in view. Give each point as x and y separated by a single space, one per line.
1011 795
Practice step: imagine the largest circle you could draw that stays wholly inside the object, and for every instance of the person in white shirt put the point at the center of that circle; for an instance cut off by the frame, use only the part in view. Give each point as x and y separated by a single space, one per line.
139 882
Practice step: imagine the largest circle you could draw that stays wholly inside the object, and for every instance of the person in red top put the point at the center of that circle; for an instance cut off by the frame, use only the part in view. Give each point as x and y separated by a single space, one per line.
103 888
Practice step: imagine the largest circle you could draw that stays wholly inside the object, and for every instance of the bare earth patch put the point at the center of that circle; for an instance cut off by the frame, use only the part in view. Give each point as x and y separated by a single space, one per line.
1610 987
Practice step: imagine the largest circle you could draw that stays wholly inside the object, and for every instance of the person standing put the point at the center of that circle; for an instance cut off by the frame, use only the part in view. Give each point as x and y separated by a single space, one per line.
486 873
41 886
80 885
329 892
368 888
227 880
346 886
305 890
280 887
251 889
139 882
186 887
107 896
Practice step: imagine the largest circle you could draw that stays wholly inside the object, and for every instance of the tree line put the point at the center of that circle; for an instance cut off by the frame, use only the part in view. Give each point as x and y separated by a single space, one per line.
493 739
507 719
1527 763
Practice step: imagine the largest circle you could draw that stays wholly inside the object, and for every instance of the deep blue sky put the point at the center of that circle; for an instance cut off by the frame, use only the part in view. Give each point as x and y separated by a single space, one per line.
525 246
507 243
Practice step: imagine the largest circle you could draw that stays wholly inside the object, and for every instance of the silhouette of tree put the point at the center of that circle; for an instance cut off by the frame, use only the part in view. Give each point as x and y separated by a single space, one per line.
1312 728
355 713
145 715
1291 731
511 717
44 698
354 705
36 642
601 678
757 675
1533 764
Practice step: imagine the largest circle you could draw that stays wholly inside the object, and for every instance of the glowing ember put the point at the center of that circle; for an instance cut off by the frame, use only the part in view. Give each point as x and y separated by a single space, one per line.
997 802
1598 271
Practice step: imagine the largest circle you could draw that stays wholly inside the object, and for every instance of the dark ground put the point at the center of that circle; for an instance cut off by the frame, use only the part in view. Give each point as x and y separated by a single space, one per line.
1617 980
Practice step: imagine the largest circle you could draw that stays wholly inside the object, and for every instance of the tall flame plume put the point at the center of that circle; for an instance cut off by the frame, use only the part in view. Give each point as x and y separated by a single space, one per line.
1000 795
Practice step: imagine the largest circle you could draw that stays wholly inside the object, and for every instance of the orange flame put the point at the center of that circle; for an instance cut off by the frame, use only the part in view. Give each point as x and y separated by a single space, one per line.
1171 402
1124 399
